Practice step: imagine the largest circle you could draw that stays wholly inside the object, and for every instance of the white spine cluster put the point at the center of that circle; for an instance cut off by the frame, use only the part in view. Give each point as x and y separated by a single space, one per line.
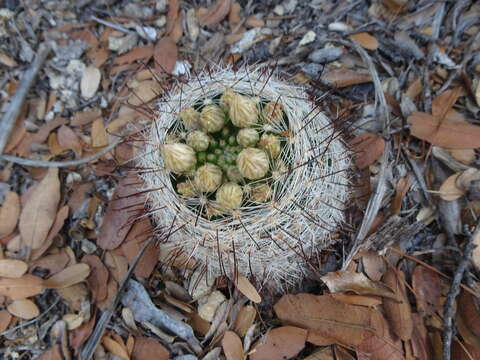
306 204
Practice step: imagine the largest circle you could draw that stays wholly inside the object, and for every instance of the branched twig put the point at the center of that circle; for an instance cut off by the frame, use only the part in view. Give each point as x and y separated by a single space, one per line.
8 120
449 307
39 163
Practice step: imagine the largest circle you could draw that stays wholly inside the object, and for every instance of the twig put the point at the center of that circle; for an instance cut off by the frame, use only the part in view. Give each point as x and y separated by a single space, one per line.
8 120
39 163
449 307
112 25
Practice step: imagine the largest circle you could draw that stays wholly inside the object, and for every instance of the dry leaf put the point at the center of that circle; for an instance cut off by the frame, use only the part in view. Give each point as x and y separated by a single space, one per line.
281 343
53 263
85 117
68 276
366 40
245 318
138 53
327 320
143 93
9 213
398 311
56 227
54 353
444 102
234 16
216 13
5 319
232 346
368 148
145 347
82 333
246 288
99 134
115 348
67 139
346 77
165 55
343 280
421 346
23 287
373 265
427 290
98 278
469 314
12 268
39 212
444 133
465 156
74 296
401 190
7 60
370 301
449 190
23 309
90 82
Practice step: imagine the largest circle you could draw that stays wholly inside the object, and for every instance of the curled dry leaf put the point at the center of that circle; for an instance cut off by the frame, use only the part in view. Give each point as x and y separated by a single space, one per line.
138 53
366 40
398 311
246 288
444 133
281 343
368 148
427 290
346 77
401 190
9 213
373 265
39 212
145 347
12 268
68 276
342 281
98 278
216 13
115 348
22 287
23 309
327 319
165 55
232 346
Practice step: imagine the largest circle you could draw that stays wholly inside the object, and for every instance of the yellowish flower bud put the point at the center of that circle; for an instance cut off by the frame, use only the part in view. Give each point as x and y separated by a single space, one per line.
260 193
233 174
271 144
190 118
253 163
247 137
208 178
198 140
273 113
179 158
229 196
212 118
226 98
186 189
243 111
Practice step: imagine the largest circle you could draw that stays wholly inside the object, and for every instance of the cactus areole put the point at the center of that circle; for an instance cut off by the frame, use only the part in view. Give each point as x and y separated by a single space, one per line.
250 174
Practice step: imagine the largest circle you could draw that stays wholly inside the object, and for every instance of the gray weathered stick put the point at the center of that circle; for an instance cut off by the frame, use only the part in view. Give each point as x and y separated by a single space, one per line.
8 120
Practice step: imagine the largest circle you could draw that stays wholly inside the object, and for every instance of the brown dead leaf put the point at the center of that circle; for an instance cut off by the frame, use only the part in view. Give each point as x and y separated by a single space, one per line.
174 21
346 77
98 278
12 268
327 320
253 21
9 213
234 16
56 227
232 346
373 265
216 13
7 60
38 215
398 311
427 290
246 288
444 133
468 312
421 346
68 276
165 55
85 117
368 148
465 156
343 280
67 139
99 134
444 102
53 263
79 335
54 353
245 318
20 288
23 309
145 347
138 53
401 190
362 300
281 343
449 191
5 319
366 40
117 222
117 265
464 351
115 348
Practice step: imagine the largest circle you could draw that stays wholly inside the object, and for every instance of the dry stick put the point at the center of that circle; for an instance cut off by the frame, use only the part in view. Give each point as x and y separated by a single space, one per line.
8 120
449 307
39 163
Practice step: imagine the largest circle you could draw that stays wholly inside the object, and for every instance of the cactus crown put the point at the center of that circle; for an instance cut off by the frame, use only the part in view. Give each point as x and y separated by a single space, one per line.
257 184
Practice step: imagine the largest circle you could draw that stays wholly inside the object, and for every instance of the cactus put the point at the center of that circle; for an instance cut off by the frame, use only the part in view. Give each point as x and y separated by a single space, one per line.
256 180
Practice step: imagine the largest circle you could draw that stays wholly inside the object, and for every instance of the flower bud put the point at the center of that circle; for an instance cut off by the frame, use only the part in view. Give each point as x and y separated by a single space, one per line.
208 178
212 118
190 118
273 113
186 189
229 196
226 98
233 174
253 163
271 144
243 111
260 193
247 137
179 158
198 140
